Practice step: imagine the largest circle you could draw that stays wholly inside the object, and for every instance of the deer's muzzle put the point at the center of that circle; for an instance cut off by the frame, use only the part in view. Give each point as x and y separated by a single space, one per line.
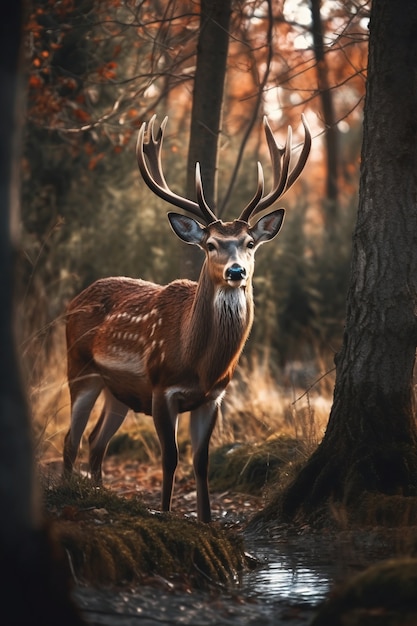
235 273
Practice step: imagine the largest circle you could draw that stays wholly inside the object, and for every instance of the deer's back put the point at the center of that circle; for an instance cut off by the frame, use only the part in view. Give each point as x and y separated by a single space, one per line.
123 309
125 330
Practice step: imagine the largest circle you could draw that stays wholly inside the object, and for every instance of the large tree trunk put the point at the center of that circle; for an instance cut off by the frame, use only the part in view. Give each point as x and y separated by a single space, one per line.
370 442
15 445
34 585
212 49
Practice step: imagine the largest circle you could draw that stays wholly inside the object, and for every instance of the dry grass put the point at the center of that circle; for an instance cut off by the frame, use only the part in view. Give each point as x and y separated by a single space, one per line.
258 405
272 421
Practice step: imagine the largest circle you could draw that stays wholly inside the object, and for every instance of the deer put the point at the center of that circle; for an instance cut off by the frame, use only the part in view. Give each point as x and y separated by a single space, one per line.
163 350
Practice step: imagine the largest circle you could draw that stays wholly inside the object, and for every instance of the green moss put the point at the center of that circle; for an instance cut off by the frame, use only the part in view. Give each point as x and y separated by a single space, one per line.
252 466
384 594
379 509
79 492
142 444
392 584
111 540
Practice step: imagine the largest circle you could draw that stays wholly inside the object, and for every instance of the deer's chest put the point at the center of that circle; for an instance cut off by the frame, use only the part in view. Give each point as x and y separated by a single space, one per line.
137 353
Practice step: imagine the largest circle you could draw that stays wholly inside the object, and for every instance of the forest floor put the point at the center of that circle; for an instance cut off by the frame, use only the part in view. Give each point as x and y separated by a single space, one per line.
267 432
165 601
295 573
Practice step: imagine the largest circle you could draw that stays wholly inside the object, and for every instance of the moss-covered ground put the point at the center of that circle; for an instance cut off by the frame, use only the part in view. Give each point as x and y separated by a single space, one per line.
109 539
112 539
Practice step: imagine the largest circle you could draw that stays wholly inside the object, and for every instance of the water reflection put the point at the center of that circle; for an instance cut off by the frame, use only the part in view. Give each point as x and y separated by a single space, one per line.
297 573
300 585
290 583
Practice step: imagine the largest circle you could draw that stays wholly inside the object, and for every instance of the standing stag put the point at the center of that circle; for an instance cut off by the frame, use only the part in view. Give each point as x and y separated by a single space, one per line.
163 350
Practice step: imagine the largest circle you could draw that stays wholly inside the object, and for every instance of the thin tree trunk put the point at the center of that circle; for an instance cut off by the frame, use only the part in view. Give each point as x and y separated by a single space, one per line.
371 441
329 118
212 49
262 83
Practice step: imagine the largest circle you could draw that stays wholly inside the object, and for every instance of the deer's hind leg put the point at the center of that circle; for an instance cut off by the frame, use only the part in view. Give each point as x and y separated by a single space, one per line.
84 393
110 420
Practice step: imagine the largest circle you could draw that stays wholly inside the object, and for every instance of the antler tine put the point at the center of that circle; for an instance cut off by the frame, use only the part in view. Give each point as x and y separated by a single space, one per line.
302 159
153 149
280 158
247 211
204 207
275 152
151 170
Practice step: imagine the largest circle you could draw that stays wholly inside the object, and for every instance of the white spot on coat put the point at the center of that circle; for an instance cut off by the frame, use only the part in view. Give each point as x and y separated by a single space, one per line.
123 361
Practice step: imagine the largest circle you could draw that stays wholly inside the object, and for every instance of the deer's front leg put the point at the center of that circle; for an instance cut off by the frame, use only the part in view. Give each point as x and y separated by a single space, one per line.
165 417
202 422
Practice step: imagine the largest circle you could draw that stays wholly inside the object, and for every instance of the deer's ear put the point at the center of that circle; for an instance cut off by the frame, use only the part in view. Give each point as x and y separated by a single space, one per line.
268 226
186 228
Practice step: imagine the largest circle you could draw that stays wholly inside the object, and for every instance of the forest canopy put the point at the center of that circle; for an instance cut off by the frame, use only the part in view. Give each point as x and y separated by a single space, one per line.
97 70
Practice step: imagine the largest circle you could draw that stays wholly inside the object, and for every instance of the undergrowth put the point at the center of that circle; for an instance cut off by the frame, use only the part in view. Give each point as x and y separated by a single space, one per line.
267 428
258 405
252 467
113 540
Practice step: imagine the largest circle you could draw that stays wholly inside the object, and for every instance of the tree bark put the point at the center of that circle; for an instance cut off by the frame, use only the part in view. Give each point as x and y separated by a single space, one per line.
34 588
212 49
370 441
15 447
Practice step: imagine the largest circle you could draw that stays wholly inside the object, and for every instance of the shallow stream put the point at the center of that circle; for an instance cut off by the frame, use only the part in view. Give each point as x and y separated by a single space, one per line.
293 578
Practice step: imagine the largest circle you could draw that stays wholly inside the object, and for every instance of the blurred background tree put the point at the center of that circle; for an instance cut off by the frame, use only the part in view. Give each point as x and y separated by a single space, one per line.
97 70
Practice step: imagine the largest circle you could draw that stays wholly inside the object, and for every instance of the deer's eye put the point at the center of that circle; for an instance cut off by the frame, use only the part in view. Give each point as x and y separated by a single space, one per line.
211 246
251 244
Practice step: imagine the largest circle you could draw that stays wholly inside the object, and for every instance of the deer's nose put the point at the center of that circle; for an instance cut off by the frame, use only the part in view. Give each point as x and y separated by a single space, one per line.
235 272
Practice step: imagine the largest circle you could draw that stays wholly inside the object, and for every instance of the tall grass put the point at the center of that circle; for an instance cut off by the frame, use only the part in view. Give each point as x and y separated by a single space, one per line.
260 402
263 401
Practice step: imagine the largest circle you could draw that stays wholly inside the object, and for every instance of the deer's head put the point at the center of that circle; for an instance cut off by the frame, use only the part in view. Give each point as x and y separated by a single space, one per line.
229 246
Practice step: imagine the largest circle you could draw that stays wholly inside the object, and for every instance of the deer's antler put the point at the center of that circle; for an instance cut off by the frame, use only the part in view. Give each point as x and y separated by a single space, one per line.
283 177
148 154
